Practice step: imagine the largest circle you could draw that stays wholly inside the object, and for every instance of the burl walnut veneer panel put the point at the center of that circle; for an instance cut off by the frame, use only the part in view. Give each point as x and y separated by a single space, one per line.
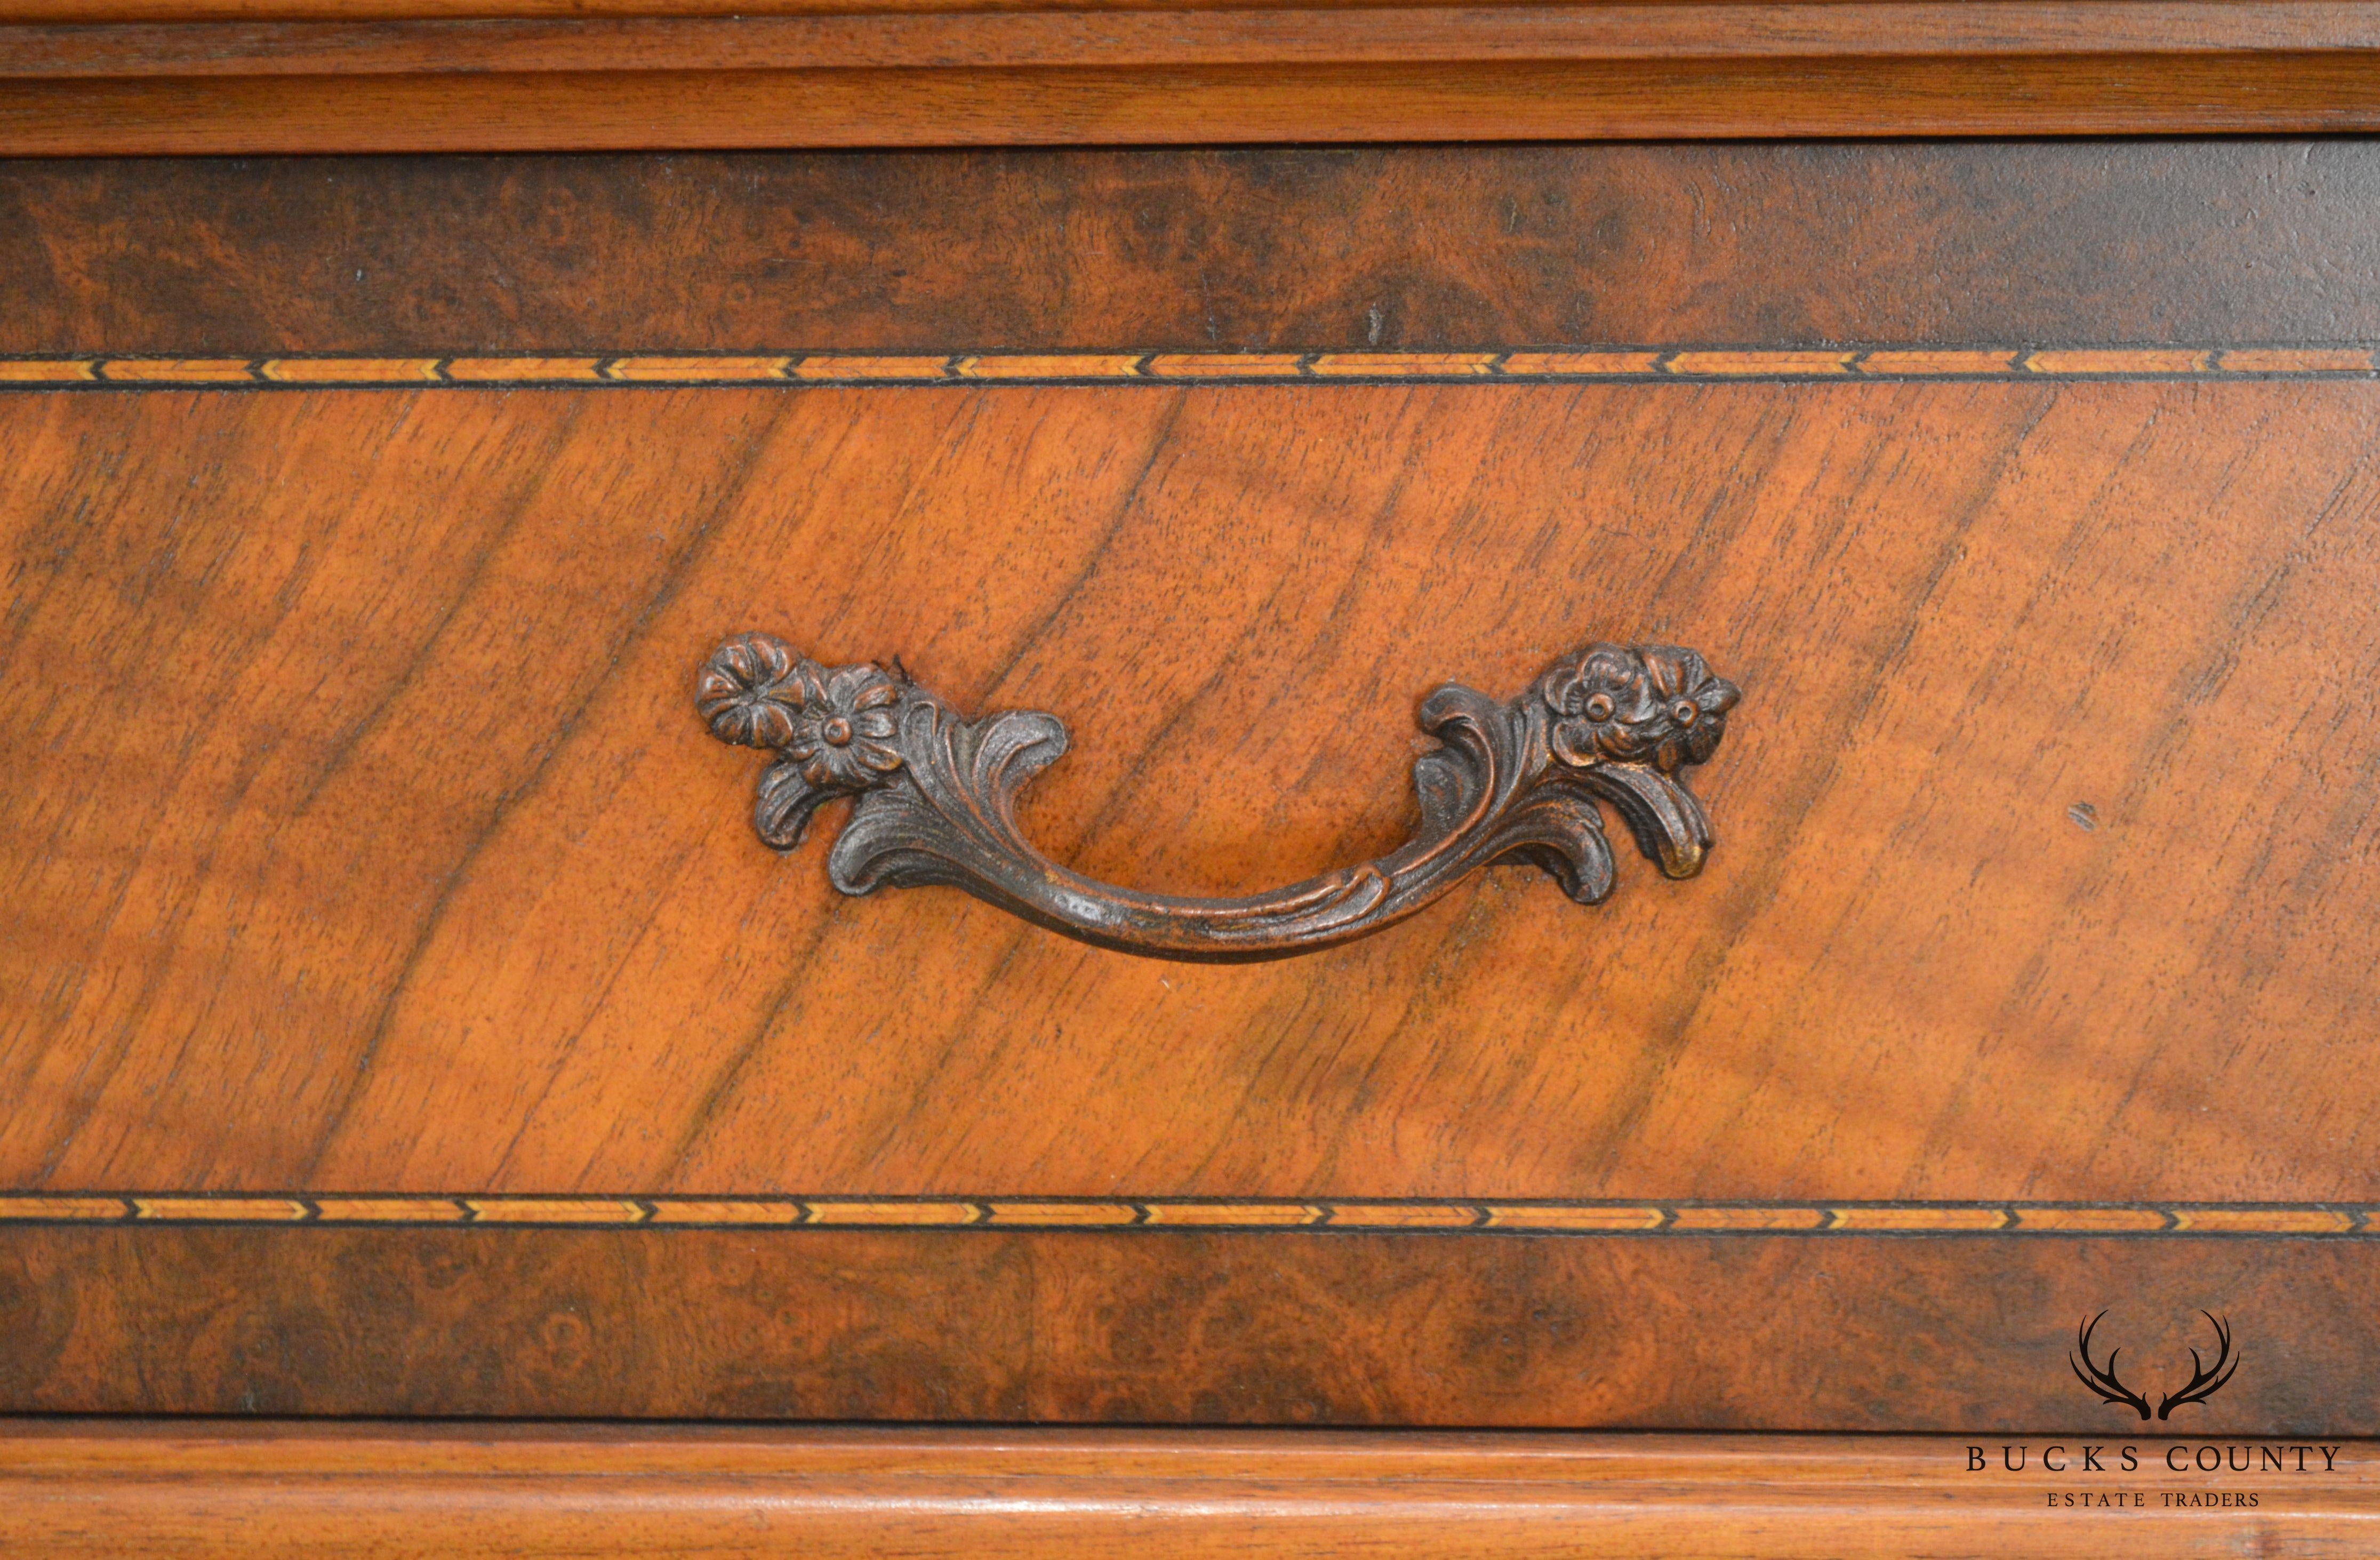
1769 1332
1414 248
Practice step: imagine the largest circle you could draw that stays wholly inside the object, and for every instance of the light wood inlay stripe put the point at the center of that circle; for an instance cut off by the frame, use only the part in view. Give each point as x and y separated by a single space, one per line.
1049 366
2095 1220
2296 359
1925 363
1224 365
1574 365
1578 1218
727 1211
391 1209
1759 363
1704 1218
895 1211
697 370
1234 1215
893 371
183 371
1402 365
2124 361
1061 1215
230 1209
523 371
30 1209
555 1210
1406 1215
2264 1221
48 371
1920 1220
1624 364
350 370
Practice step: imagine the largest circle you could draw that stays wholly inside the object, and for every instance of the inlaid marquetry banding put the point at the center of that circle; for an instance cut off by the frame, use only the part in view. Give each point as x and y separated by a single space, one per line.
2130 1220
1607 365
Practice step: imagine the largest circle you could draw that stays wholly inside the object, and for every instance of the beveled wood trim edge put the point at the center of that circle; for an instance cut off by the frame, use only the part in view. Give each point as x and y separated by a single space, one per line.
85 1487
159 77
1599 365
943 32
1369 1215
102 38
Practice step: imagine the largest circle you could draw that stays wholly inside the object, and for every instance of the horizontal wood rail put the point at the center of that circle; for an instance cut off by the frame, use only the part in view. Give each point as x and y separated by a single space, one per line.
198 1489
245 76
1182 29
397 37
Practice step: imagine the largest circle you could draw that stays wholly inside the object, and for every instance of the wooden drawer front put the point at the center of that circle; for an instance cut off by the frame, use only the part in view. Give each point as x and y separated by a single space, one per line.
386 939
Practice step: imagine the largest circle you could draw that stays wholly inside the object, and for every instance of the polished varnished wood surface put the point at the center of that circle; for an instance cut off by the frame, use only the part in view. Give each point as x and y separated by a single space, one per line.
87 1488
236 76
1778 1332
391 857
358 833
1382 248
382 37
1334 29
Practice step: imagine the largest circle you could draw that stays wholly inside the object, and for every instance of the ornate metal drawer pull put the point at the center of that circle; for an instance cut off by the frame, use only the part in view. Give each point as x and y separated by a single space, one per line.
1513 781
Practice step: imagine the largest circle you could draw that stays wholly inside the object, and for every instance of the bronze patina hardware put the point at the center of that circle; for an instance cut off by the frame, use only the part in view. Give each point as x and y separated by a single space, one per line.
1511 781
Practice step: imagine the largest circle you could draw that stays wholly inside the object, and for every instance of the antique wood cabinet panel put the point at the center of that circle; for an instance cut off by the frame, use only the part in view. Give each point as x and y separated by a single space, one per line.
401 1017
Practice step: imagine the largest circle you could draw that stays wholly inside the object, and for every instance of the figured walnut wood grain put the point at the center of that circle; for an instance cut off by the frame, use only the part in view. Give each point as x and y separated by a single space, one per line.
362 840
1285 250
95 1489
1413 1328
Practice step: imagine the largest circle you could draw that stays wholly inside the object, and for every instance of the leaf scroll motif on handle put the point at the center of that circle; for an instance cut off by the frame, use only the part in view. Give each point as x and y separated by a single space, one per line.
1511 781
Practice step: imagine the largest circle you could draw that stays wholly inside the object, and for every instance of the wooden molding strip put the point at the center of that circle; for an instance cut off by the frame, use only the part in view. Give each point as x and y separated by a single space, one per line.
167 77
144 38
1595 1216
945 32
1624 365
72 1488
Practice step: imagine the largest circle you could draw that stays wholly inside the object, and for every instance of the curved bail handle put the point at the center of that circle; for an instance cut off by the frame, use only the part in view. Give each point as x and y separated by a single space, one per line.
1516 780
